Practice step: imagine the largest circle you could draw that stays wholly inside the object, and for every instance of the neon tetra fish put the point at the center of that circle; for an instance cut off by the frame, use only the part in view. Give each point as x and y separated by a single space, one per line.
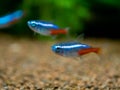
11 18
73 49
45 28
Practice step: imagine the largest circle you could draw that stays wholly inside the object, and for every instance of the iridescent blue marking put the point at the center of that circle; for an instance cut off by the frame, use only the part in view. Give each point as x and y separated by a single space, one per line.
69 48
34 24
10 17
42 27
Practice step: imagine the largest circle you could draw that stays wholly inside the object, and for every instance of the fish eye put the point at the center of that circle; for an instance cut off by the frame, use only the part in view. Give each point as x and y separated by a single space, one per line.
58 49
33 24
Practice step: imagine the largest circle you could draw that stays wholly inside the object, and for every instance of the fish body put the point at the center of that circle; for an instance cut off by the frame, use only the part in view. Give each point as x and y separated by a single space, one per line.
11 18
45 28
73 49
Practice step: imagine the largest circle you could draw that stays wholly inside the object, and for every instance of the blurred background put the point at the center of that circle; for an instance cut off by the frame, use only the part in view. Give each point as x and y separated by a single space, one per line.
94 18
27 63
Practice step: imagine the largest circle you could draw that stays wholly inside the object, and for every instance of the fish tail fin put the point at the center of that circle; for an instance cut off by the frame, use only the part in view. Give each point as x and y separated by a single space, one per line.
67 29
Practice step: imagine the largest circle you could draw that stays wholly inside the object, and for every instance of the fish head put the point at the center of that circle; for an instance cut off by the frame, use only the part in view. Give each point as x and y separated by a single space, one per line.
58 49
32 24
42 24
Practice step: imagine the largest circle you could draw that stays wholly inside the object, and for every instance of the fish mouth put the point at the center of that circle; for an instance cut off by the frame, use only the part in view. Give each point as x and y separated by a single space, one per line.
29 23
53 48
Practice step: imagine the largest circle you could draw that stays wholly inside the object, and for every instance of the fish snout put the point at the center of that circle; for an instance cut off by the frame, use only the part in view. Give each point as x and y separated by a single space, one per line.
29 23
53 48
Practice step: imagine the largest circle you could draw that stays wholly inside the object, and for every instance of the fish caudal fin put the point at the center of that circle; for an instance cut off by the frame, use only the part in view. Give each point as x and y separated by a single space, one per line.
67 29
89 50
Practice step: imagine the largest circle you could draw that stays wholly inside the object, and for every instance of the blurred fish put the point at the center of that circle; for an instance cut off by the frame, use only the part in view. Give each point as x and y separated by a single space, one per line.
7 20
73 49
45 28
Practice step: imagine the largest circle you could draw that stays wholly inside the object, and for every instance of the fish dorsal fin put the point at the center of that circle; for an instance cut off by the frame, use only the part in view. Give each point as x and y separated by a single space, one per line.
80 37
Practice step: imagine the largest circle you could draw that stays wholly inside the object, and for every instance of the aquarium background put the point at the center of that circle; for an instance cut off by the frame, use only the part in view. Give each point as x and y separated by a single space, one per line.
27 61
94 18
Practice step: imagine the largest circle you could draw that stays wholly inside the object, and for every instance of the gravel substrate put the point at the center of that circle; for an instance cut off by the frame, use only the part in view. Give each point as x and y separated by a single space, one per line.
31 65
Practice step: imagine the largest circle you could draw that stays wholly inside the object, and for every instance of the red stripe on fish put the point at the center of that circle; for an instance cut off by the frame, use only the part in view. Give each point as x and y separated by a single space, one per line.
56 32
88 50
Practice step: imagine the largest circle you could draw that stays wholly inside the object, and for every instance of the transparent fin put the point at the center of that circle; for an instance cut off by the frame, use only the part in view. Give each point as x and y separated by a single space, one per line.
80 37
68 33
54 37
34 33
78 59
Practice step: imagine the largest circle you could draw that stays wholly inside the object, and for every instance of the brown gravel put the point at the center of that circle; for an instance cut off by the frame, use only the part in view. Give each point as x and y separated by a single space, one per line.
31 65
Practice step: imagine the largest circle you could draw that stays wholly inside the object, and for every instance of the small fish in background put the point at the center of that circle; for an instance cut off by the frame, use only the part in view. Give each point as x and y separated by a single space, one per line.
46 28
73 49
10 19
